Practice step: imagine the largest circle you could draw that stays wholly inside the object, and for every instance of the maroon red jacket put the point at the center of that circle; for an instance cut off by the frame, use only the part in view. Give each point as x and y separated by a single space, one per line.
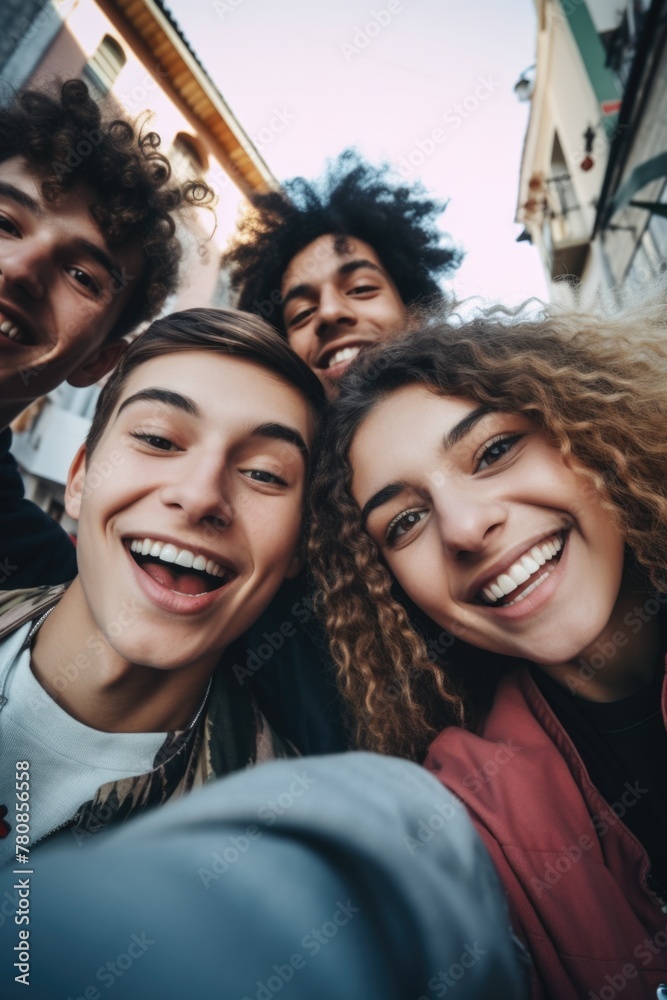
574 874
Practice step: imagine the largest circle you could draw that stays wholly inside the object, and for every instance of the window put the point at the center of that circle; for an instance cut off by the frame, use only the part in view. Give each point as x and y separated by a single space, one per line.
102 70
188 160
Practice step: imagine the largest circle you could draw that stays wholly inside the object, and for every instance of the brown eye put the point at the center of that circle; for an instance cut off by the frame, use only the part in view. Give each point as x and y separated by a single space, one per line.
497 449
404 523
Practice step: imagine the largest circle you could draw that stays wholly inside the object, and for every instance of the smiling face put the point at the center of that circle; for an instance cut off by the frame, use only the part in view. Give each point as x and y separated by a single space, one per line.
336 303
62 289
190 508
485 526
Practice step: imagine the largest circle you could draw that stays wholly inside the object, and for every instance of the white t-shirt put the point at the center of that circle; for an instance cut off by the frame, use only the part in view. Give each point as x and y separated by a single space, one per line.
68 760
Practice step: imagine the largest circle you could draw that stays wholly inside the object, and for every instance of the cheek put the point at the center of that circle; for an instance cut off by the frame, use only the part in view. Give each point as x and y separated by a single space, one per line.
424 579
274 537
301 343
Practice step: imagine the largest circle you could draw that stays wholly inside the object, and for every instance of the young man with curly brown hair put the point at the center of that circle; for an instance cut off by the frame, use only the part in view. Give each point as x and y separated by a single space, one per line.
88 250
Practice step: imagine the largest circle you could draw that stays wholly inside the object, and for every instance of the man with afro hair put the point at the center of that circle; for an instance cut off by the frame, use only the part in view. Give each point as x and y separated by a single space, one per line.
339 264
336 266
88 250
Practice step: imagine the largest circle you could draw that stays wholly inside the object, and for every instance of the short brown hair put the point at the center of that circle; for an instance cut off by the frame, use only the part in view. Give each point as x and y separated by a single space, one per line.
224 331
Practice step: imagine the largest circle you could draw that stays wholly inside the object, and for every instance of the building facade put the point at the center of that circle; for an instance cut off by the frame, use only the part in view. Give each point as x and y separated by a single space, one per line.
593 183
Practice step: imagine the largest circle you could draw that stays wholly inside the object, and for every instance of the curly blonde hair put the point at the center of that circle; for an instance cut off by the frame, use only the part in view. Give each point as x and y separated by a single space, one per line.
595 383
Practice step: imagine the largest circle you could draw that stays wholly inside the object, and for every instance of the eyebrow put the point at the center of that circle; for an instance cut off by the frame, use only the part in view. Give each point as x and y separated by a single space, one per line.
83 245
456 434
97 253
273 431
349 267
165 396
280 432
21 198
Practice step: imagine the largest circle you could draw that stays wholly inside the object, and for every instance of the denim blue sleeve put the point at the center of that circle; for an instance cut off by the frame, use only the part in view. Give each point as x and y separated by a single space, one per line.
348 877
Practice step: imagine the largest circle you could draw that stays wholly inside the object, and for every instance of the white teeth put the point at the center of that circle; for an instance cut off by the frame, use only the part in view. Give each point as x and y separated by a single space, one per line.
536 553
530 564
10 329
343 354
506 583
528 590
522 570
518 573
169 553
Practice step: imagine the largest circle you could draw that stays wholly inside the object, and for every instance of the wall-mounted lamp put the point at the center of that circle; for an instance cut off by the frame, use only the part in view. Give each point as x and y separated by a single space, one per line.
525 85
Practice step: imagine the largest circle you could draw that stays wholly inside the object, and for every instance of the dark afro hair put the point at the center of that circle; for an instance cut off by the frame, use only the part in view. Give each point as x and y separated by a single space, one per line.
64 135
353 199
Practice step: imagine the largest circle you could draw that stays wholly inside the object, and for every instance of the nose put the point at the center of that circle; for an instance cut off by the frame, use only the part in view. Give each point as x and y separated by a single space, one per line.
199 488
23 264
467 518
335 309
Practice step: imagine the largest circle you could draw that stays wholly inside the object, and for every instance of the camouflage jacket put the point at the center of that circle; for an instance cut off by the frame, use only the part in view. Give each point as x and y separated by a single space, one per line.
229 735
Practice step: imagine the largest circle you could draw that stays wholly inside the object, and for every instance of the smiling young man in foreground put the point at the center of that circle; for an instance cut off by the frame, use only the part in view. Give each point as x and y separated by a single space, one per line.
189 496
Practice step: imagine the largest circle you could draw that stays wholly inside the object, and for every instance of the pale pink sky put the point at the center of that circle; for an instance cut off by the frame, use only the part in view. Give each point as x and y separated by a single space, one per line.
426 84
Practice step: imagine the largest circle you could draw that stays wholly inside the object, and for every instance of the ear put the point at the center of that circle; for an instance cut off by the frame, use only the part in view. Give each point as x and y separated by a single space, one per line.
99 364
75 483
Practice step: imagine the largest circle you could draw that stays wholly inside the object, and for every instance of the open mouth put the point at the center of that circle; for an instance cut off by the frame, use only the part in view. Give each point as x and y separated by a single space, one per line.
525 575
12 330
341 355
180 570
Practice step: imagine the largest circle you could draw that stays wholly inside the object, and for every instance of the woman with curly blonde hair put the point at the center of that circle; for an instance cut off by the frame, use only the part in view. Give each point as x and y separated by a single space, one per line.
489 535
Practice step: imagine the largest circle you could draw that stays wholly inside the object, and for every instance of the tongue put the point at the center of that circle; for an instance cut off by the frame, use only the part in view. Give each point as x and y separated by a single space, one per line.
181 583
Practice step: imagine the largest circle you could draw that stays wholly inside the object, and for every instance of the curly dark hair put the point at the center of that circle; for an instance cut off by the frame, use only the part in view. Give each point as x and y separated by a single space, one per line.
63 133
353 199
595 384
